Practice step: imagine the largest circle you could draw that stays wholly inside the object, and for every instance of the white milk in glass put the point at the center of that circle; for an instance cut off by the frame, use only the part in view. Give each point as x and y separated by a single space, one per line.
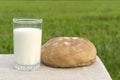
27 45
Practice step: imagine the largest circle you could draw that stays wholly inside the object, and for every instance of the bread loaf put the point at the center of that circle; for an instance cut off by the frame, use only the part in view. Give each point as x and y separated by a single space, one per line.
68 52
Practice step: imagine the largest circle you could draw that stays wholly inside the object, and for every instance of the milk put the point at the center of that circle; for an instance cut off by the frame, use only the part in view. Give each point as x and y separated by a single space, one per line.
27 45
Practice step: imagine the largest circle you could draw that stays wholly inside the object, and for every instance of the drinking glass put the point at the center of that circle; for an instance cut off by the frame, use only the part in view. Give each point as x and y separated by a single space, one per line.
27 35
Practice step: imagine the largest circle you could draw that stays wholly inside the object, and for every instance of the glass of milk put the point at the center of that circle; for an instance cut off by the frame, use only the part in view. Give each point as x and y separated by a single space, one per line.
27 35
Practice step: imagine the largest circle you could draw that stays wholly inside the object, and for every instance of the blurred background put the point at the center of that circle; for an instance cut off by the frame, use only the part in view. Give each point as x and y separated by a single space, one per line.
96 20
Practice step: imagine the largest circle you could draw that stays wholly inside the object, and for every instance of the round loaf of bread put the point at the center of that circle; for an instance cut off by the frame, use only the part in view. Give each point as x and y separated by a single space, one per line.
68 52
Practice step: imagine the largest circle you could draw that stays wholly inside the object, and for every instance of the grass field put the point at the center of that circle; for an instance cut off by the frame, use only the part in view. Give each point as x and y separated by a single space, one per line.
99 21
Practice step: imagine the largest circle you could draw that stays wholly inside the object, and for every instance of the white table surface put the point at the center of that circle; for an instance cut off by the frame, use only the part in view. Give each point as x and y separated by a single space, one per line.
96 71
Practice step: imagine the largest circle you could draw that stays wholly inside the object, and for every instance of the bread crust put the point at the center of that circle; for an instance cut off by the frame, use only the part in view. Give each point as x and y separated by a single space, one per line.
68 52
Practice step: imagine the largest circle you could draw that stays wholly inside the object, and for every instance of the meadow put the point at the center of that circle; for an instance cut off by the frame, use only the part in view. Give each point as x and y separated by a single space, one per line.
96 20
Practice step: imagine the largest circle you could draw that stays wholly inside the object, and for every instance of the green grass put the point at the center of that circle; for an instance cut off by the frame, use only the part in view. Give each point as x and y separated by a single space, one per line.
99 21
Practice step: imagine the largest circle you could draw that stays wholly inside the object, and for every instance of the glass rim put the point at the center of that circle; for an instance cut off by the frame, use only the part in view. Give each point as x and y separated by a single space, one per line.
27 21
